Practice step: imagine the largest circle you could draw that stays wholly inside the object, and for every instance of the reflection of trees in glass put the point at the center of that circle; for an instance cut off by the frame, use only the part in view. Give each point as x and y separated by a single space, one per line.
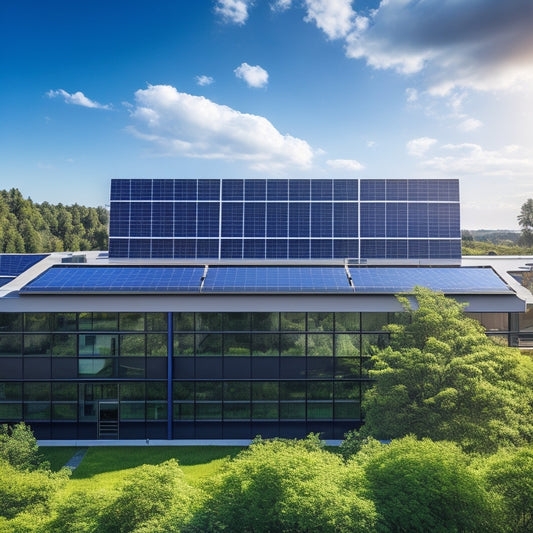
10 321
132 345
237 344
292 321
37 344
184 344
64 345
156 345
64 322
347 321
10 344
320 321
37 322
132 321
292 344
236 321
209 344
156 321
183 321
321 345
265 344
265 321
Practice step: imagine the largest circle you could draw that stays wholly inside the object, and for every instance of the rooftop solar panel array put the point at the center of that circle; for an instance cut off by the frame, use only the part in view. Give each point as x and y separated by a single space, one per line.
285 219
87 279
15 264
258 279
276 279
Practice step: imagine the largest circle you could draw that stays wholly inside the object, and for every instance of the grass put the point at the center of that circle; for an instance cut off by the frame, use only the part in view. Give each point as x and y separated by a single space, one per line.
57 456
106 467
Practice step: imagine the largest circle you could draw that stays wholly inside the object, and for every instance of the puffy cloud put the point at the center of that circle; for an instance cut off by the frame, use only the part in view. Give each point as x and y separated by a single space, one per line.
470 124
193 126
473 159
411 94
254 76
334 17
345 164
77 98
204 80
418 147
233 11
280 5
479 44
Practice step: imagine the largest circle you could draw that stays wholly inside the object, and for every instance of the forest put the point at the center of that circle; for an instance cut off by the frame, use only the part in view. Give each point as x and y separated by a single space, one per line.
28 227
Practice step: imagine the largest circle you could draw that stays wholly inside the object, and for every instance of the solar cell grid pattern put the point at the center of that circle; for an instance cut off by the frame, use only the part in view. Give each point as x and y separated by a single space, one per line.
276 279
448 280
258 279
74 279
15 264
285 219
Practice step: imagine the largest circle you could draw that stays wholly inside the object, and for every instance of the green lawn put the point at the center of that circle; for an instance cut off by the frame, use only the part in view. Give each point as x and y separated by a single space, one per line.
105 467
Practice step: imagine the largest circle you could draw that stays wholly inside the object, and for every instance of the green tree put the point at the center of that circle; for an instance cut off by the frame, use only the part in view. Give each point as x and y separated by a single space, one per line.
525 221
154 498
279 485
509 475
425 486
18 447
443 378
23 490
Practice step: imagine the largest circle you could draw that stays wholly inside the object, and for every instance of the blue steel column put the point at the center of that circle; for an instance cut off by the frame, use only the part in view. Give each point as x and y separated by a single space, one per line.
170 352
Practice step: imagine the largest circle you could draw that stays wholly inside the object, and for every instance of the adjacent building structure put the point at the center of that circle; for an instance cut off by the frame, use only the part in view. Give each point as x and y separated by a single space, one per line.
232 308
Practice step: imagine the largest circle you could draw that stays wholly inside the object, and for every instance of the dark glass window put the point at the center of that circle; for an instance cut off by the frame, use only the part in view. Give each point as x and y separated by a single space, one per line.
132 321
64 322
320 344
10 322
64 345
37 344
37 322
10 344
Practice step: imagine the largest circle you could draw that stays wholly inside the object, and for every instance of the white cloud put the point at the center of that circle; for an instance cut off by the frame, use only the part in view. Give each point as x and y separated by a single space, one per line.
411 94
233 11
204 80
470 124
473 159
334 17
418 147
345 164
281 5
182 124
77 98
254 76
479 44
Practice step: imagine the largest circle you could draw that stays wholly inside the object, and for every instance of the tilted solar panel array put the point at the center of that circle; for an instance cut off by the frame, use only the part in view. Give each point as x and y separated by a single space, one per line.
258 279
285 219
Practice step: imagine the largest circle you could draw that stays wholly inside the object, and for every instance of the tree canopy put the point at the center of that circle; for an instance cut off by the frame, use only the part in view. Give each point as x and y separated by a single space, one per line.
27 227
443 378
525 221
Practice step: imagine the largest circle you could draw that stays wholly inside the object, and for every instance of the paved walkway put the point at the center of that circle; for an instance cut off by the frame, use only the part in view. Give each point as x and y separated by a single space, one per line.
76 459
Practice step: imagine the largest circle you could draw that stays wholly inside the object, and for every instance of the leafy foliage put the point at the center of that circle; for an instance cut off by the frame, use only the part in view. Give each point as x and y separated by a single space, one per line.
509 475
424 486
36 228
282 485
442 378
18 447
525 220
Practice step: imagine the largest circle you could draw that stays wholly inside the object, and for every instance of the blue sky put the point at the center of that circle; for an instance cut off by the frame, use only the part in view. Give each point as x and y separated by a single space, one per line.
269 88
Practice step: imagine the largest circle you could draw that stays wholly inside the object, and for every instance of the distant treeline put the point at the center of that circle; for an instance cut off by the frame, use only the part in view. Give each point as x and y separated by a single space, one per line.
27 227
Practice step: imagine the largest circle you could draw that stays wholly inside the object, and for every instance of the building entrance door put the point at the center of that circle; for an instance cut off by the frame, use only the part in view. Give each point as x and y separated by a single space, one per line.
108 417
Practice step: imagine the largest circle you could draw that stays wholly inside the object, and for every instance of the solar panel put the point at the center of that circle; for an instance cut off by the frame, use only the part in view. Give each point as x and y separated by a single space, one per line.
276 279
448 280
136 279
207 211
15 264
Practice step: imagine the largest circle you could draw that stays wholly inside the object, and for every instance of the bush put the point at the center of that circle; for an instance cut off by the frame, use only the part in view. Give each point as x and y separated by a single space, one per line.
424 486
18 447
282 485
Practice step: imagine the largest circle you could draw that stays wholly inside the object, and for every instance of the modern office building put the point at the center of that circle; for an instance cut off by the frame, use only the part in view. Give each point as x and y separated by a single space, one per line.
232 308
